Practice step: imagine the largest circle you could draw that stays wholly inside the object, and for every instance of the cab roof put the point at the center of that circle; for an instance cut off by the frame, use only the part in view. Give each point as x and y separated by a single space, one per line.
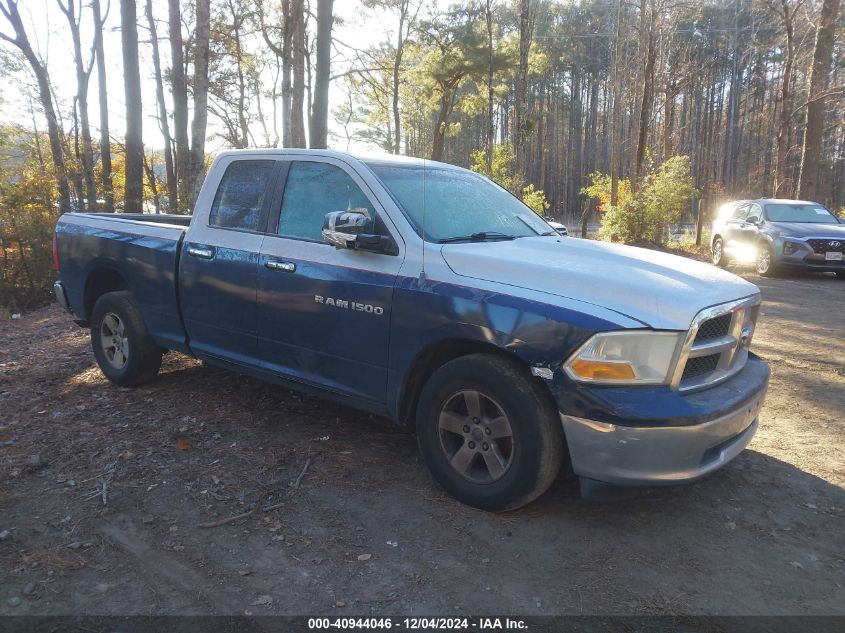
774 201
370 158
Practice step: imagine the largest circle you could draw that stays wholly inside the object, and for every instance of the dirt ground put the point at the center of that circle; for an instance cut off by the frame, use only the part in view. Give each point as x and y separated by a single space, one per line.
104 490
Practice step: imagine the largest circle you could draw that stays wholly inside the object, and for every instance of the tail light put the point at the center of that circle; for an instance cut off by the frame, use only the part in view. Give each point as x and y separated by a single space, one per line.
55 252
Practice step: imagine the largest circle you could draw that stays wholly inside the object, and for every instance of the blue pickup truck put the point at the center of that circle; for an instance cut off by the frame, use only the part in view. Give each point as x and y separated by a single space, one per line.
425 293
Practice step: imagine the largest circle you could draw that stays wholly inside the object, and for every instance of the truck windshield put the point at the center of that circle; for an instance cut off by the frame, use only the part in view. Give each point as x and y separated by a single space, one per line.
448 205
811 213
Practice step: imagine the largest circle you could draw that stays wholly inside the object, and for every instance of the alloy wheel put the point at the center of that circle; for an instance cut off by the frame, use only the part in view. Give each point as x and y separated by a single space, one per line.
115 345
476 436
764 261
717 252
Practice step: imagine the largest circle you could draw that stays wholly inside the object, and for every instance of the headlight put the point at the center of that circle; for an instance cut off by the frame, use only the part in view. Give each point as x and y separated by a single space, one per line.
635 357
791 247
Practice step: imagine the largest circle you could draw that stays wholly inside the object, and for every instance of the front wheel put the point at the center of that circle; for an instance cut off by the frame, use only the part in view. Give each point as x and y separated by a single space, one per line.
765 261
124 349
489 434
719 257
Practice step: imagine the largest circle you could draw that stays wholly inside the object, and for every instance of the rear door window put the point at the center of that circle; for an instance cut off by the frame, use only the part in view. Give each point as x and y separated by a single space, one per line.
313 190
241 195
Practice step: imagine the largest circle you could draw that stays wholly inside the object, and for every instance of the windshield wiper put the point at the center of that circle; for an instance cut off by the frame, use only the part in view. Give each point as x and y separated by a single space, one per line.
481 236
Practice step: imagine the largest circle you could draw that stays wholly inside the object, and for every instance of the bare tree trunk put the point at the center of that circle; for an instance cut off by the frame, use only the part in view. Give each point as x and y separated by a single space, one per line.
200 121
102 86
782 187
86 155
134 202
164 125
274 95
404 28
297 18
575 137
309 80
242 135
320 112
521 88
75 175
283 53
668 118
819 77
287 64
439 138
179 90
731 142
616 117
152 181
491 125
10 10
37 135
647 102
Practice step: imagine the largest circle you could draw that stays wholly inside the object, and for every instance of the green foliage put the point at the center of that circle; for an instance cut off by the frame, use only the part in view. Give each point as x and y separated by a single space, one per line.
502 171
27 216
536 199
686 242
644 215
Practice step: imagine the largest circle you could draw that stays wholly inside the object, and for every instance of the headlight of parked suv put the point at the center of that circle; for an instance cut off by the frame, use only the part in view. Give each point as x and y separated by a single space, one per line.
791 247
637 357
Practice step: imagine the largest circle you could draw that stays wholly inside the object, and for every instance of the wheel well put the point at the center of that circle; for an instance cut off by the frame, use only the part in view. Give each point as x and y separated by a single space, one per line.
433 358
99 282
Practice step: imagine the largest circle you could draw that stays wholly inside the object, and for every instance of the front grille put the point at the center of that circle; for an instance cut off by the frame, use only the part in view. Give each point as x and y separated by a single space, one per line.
822 246
714 328
719 347
700 366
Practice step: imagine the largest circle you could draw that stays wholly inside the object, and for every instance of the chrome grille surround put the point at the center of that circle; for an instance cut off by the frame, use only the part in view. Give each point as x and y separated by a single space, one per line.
732 348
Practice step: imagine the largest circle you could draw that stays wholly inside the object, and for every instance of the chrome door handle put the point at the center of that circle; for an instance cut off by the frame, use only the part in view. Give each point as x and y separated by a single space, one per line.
203 253
274 264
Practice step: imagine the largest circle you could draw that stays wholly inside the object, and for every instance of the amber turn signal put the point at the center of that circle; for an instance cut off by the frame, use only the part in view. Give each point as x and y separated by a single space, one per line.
602 370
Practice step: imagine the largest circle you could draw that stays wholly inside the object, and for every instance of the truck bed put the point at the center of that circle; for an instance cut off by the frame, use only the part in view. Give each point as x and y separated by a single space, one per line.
138 251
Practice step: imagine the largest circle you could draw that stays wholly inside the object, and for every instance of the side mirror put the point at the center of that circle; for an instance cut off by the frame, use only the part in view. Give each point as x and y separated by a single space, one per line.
354 229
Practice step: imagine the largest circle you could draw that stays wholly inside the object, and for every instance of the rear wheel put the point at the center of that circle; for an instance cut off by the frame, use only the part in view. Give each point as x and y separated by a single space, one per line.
840 274
719 257
124 349
488 433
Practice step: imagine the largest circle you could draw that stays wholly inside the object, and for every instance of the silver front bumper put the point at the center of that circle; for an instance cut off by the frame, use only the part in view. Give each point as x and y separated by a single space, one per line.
658 455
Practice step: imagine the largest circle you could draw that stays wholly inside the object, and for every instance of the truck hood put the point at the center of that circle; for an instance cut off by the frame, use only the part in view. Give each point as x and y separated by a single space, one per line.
660 290
808 229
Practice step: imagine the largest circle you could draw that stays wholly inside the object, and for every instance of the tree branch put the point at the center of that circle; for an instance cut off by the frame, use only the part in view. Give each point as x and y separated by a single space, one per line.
819 97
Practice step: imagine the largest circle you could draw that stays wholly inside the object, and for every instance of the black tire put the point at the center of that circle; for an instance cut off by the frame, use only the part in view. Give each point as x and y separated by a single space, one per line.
764 263
534 451
118 332
840 274
719 257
